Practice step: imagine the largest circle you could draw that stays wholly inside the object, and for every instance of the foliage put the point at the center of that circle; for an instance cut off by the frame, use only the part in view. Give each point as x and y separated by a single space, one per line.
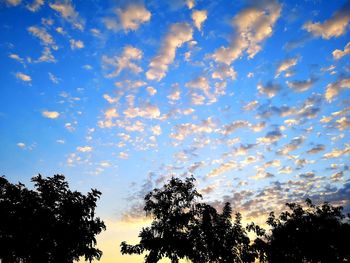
48 224
182 227
309 234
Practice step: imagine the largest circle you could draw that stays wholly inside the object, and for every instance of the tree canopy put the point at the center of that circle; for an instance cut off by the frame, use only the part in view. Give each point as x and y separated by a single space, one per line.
48 224
309 234
183 227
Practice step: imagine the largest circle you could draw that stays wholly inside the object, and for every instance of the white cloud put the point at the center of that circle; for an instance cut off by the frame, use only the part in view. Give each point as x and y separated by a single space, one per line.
67 12
51 114
338 54
41 33
270 90
301 85
334 27
130 18
253 25
23 77
35 5
84 149
46 56
13 2
178 34
21 145
76 44
16 57
223 168
124 61
198 17
285 65
333 89
148 111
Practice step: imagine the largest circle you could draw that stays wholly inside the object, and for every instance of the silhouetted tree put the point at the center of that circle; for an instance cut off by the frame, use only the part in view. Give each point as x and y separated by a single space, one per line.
310 234
184 228
48 224
173 209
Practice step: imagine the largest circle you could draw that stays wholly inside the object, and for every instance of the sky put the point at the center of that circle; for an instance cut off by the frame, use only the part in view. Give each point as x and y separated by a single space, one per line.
251 97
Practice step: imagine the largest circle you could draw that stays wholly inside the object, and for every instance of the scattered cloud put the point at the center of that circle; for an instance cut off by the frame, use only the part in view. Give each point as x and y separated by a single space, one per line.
130 18
41 33
76 44
333 27
124 61
301 85
252 25
270 89
84 149
338 54
198 17
23 77
178 34
285 65
50 114
333 89
35 5
12 2
67 12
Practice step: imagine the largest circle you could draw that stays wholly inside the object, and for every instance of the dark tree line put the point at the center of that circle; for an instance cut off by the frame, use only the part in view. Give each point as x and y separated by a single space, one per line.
185 228
56 225
48 224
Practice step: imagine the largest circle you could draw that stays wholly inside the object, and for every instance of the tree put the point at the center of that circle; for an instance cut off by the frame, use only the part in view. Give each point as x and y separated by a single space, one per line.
310 234
183 227
48 224
173 210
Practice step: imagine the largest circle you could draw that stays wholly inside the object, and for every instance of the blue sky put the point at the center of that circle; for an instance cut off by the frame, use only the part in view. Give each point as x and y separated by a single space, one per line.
251 97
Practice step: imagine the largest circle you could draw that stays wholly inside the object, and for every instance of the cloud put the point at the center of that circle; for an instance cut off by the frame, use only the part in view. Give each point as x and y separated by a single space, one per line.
16 57
50 114
307 175
252 25
23 77
334 27
270 89
84 149
46 56
333 89
261 174
198 17
186 129
285 170
67 12
130 18
343 123
76 44
301 85
336 153
124 61
224 72
35 5
21 145
178 34
316 149
148 111
285 65
251 105
41 33
13 2
223 168
270 137
338 54
293 145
